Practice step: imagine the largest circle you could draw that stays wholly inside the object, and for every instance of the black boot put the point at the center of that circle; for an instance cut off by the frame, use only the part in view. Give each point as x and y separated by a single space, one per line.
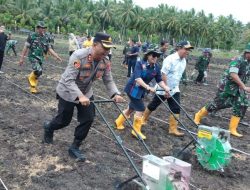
74 151
48 133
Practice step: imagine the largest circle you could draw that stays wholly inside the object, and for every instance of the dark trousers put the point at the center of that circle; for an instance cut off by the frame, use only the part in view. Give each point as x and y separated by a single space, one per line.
85 116
171 103
131 65
200 76
1 58
125 61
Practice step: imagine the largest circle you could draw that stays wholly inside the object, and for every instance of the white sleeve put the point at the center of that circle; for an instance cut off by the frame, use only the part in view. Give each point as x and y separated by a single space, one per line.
166 66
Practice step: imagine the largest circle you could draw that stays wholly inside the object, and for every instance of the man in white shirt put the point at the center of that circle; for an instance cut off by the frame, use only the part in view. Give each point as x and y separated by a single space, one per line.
172 69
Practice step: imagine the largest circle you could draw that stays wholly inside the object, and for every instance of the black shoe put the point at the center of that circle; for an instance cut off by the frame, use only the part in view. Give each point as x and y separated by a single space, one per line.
74 151
48 133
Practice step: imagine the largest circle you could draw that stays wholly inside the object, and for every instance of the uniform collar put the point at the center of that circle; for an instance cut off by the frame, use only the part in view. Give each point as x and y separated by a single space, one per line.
177 57
148 65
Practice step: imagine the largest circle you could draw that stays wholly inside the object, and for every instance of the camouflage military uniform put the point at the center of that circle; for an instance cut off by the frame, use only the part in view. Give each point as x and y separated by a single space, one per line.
201 66
162 57
38 45
11 44
229 94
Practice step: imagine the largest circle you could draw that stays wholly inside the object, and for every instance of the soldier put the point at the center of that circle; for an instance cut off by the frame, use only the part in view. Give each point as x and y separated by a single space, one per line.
207 70
11 44
172 70
232 92
202 65
75 90
51 40
37 45
126 49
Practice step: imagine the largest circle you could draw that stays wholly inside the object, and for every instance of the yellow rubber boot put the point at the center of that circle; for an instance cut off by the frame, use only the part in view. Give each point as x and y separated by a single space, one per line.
119 122
33 81
33 90
173 126
146 115
234 122
199 115
137 127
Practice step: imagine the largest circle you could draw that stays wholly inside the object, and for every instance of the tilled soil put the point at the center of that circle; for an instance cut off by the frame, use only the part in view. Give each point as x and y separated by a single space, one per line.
27 163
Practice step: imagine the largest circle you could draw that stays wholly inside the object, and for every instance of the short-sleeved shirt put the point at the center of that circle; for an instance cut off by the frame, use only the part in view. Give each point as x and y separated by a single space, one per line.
87 43
3 40
239 66
11 43
133 50
146 72
173 67
81 72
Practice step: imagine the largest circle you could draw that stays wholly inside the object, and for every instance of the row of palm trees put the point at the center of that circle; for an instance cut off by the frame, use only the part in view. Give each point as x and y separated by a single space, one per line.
124 19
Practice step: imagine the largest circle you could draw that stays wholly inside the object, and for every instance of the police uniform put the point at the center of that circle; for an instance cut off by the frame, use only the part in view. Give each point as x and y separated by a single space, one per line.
230 95
76 81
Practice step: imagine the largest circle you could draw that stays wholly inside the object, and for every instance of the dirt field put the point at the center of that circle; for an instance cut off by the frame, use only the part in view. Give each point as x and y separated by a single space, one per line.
26 163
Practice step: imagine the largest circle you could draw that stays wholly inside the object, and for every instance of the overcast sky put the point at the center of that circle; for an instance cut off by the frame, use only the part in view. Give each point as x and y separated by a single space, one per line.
240 9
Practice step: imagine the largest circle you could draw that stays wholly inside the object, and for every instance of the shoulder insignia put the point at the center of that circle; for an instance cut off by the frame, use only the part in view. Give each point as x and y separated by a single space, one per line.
77 64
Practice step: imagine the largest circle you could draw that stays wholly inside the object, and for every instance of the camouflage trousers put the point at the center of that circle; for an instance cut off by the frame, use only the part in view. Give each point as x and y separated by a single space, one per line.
239 103
36 66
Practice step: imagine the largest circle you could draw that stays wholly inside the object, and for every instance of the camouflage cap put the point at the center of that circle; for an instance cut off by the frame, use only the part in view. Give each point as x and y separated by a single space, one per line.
247 50
153 52
184 44
41 24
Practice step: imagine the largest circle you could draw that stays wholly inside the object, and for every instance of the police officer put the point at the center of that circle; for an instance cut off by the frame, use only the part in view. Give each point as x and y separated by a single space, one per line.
232 92
75 90
144 72
173 67
37 45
